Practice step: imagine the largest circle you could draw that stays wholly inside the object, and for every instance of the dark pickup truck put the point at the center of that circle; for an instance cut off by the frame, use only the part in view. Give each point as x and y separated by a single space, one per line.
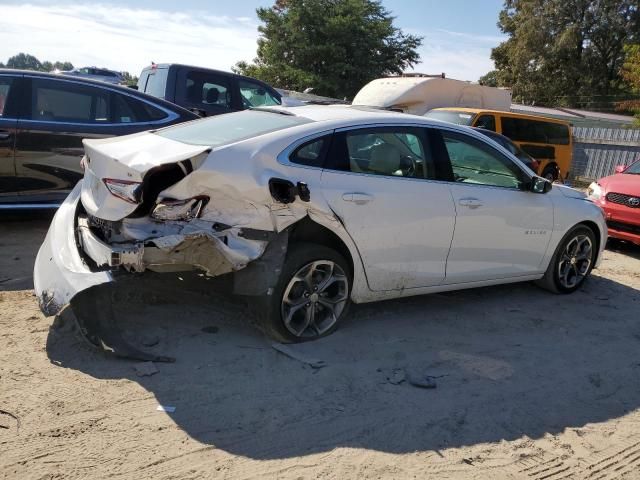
204 91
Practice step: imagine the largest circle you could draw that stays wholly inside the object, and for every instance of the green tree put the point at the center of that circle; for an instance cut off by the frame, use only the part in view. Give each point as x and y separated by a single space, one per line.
24 61
129 79
631 75
489 79
332 46
565 52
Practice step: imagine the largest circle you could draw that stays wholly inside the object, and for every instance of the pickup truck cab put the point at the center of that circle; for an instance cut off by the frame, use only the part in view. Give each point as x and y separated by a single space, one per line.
204 91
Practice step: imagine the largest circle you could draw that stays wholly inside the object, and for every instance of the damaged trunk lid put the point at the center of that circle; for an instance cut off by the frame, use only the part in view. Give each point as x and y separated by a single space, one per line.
118 172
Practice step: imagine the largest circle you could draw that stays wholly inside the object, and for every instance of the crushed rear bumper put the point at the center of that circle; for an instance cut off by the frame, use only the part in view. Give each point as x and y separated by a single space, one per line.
60 271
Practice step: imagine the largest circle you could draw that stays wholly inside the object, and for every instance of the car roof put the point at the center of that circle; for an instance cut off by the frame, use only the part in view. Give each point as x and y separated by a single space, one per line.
503 112
205 69
90 81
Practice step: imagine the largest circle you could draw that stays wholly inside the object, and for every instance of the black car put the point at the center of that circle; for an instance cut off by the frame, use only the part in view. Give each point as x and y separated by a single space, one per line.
204 91
43 119
506 142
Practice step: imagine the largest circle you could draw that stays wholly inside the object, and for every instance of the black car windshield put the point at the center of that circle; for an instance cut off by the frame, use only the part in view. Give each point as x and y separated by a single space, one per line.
634 168
231 127
451 116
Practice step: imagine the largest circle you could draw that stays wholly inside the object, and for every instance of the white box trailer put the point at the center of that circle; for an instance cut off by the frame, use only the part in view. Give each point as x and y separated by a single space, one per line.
419 94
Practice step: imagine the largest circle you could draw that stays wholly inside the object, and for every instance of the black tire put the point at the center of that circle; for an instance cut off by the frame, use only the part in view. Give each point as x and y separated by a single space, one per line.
550 172
299 256
555 279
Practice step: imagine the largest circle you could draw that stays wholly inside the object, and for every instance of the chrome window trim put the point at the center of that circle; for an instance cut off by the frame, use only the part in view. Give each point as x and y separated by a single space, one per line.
169 118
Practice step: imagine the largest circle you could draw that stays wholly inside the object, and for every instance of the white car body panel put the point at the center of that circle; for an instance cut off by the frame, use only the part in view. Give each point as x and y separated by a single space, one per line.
522 221
401 238
403 228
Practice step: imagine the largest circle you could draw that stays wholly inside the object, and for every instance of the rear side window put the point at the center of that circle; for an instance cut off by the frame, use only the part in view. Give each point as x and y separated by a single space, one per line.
129 109
5 87
310 153
230 128
156 82
64 101
526 130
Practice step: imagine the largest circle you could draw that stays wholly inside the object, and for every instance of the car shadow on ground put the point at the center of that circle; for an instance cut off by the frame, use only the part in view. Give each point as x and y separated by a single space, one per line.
23 232
509 361
624 248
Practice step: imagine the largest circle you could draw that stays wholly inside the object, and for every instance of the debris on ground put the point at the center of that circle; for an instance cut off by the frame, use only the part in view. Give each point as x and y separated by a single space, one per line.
421 380
150 340
12 415
397 376
145 369
291 353
166 408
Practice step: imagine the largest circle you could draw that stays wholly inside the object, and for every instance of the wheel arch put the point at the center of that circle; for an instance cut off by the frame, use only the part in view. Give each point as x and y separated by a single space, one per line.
591 225
309 231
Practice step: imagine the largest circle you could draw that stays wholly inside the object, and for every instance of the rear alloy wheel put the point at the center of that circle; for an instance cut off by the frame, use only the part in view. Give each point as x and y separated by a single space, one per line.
572 262
311 297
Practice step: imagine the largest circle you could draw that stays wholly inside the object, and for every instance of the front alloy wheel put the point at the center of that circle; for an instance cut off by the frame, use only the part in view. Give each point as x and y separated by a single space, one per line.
575 261
572 261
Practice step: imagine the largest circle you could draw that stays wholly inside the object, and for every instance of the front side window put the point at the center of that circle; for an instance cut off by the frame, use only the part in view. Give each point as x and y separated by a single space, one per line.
474 162
208 90
256 95
5 87
389 151
63 101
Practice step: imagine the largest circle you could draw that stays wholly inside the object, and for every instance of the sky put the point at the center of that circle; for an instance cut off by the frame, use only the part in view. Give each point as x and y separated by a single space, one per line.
127 36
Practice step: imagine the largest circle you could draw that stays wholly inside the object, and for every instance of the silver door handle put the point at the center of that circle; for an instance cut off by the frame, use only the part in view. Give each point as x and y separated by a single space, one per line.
4 134
357 197
470 202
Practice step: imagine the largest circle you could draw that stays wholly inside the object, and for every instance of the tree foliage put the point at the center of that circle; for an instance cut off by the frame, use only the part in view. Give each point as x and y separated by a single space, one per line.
631 75
332 46
489 79
25 61
565 52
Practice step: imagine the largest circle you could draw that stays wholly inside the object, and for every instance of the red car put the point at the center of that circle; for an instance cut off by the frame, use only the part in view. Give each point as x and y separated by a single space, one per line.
619 197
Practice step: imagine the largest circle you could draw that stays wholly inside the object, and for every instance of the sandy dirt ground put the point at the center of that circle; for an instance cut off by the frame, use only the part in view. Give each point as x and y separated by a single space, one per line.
529 385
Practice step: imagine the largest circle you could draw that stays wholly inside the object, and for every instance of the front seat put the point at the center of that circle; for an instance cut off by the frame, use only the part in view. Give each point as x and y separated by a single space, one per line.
213 94
385 160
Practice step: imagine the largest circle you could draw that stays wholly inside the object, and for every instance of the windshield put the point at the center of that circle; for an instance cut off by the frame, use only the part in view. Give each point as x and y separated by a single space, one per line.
230 127
451 116
634 168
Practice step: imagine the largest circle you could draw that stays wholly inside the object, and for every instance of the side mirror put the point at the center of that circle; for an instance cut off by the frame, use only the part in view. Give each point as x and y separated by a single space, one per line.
539 185
621 168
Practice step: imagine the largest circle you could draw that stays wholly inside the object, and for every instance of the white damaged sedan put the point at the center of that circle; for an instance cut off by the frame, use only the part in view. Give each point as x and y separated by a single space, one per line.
308 208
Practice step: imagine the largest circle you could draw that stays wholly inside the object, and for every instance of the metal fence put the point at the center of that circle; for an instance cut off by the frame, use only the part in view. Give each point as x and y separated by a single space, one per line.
597 151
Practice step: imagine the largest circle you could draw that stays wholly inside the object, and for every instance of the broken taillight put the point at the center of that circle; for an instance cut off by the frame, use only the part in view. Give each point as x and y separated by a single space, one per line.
125 189
170 210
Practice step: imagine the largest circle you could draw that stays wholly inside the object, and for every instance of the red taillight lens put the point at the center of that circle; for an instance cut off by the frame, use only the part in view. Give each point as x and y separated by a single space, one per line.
125 189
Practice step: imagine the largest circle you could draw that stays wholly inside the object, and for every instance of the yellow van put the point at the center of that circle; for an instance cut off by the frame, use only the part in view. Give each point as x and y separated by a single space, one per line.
546 139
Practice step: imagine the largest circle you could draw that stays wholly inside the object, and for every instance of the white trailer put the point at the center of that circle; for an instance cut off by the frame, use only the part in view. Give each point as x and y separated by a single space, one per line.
418 94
